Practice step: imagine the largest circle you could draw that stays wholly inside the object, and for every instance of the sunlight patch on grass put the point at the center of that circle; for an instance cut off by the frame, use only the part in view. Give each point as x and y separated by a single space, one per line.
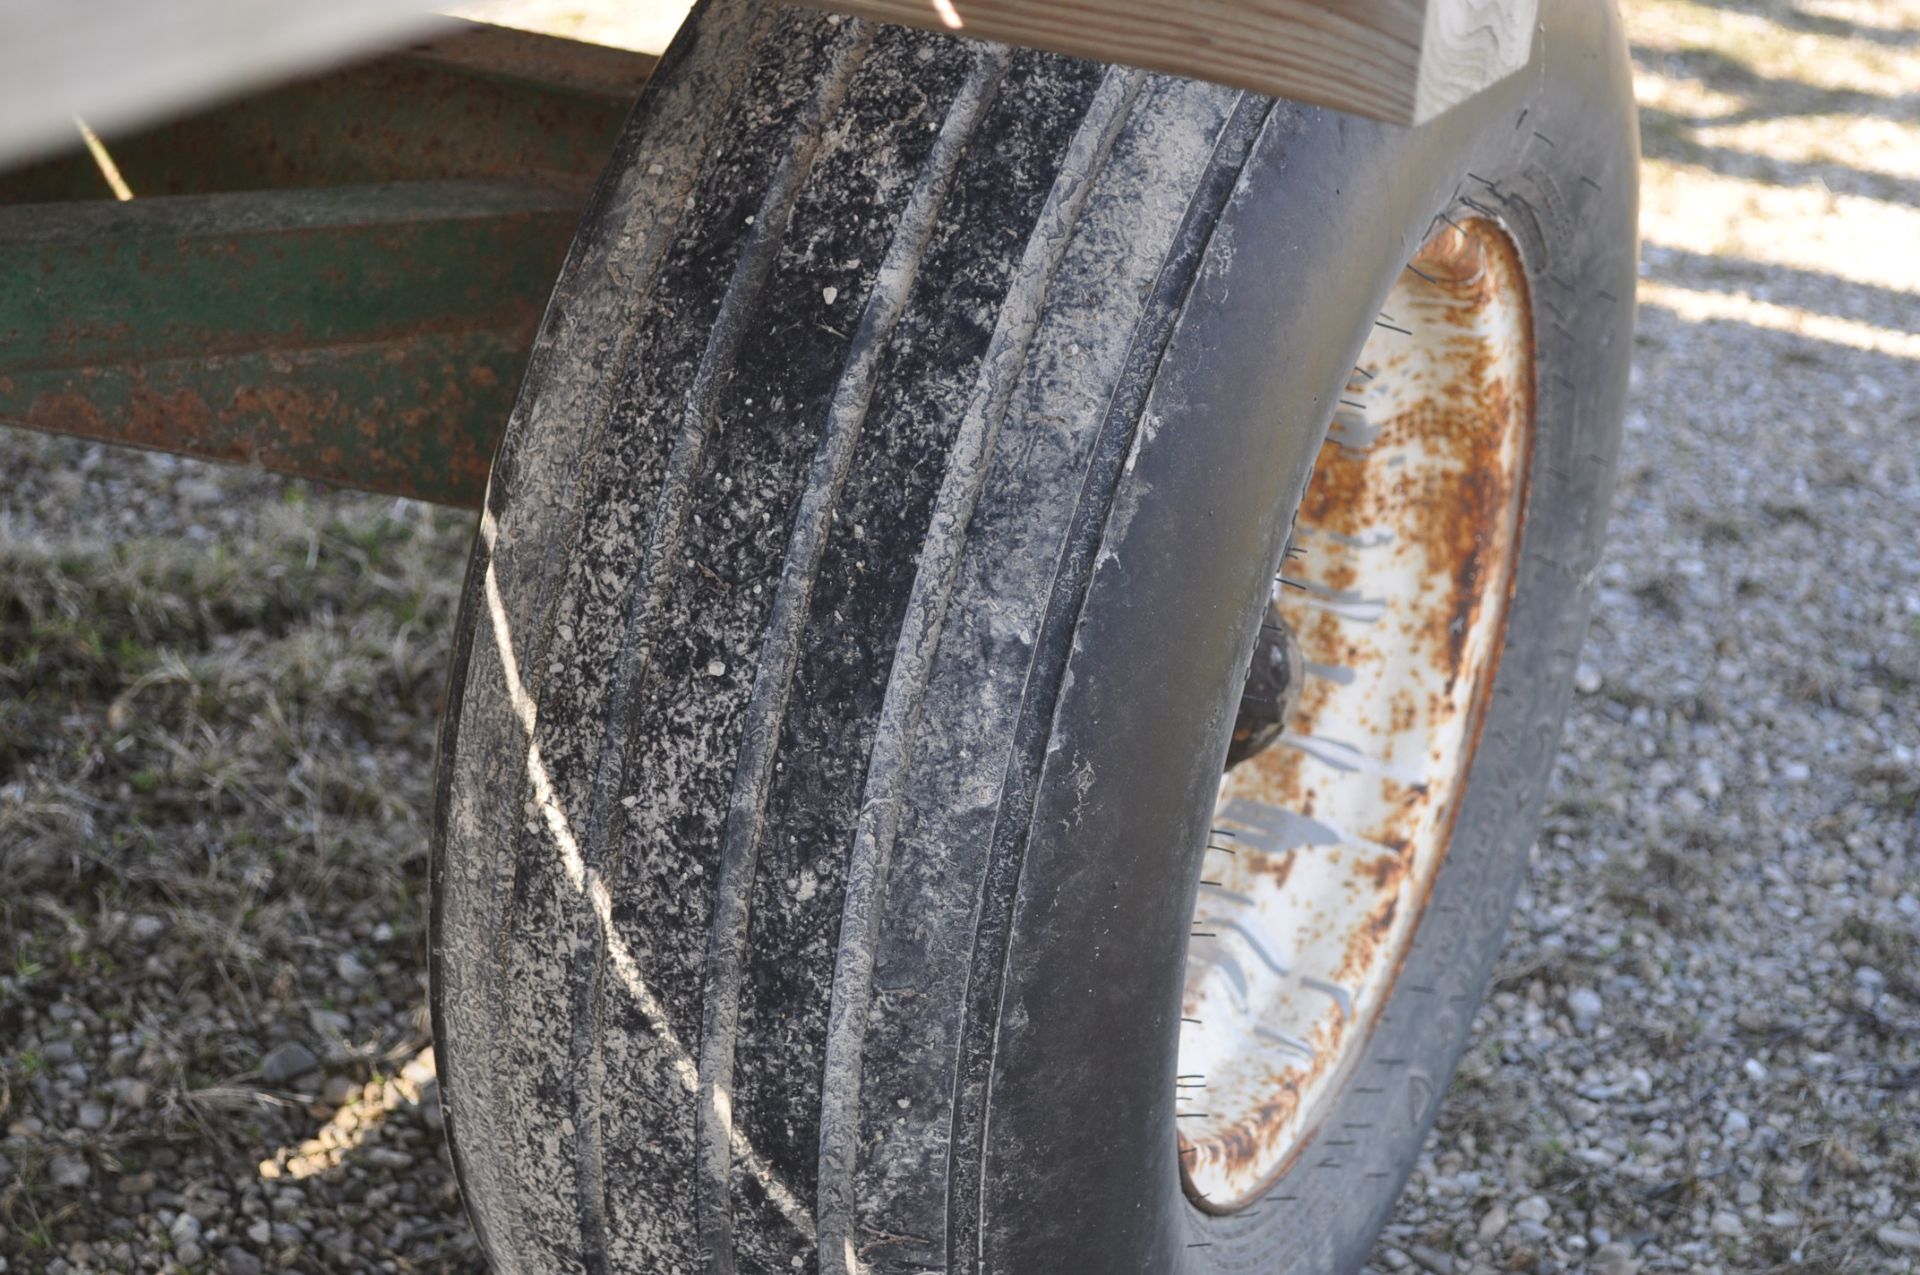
1882 147
356 1123
1752 44
1875 15
1851 237
1684 95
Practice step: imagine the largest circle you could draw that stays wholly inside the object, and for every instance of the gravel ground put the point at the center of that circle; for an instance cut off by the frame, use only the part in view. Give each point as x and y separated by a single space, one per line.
218 691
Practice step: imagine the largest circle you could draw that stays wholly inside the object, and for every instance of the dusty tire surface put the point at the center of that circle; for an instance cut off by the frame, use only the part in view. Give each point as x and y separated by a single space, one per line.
851 642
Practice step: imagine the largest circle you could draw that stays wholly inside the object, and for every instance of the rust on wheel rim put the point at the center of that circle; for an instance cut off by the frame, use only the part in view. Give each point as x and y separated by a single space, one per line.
1326 844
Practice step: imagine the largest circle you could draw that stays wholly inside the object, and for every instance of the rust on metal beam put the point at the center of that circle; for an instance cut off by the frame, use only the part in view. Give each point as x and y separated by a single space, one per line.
486 102
338 278
366 336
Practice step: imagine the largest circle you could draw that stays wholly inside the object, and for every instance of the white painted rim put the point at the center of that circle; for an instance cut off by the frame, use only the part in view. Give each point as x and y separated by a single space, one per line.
1325 846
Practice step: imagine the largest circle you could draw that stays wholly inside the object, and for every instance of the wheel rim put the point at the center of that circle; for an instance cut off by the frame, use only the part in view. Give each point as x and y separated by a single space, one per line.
1326 844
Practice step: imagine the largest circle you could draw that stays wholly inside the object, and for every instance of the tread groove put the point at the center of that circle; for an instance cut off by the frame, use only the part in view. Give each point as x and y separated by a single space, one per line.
890 757
750 274
780 652
733 50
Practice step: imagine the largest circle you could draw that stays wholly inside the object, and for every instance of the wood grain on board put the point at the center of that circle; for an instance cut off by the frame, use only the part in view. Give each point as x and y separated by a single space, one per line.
1404 61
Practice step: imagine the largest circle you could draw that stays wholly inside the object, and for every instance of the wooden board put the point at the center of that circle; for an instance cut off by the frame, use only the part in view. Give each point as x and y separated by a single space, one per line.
1404 61
119 63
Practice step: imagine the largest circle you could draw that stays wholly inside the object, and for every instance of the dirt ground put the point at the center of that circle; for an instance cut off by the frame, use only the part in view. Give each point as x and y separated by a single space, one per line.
218 693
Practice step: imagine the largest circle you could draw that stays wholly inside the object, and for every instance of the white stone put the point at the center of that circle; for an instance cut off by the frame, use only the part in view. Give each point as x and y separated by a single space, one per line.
1615 1259
1898 1238
68 1171
1585 1005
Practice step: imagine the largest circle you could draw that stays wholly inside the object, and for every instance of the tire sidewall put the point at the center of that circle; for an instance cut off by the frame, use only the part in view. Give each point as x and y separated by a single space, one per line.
1079 1163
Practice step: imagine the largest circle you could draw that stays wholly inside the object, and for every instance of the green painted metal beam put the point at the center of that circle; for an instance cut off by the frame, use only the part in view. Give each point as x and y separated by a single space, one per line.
486 102
371 336
338 277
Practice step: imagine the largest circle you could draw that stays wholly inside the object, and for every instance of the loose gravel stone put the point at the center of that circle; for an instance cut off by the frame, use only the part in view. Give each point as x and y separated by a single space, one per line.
350 970
1533 1209
69 1171
131 1093
145 929
283 1062
1585 1006
1614 1259
237 1261
329 1022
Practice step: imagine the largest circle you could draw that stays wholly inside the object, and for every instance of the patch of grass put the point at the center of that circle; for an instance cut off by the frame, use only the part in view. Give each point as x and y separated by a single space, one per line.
1666 879
1897 672
1817 686
1891 949
1891 787
1665 595
1762 49
234 739
1783 512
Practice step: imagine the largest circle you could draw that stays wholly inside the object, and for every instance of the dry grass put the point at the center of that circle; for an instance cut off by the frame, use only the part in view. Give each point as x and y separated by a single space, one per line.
215 758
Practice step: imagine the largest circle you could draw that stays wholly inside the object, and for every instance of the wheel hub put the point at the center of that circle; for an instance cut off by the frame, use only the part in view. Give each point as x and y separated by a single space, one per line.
1272 689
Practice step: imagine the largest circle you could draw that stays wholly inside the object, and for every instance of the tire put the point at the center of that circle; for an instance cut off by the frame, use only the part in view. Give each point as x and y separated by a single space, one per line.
851 641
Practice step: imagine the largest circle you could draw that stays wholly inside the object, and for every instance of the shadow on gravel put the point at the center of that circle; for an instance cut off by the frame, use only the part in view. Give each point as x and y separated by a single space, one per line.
1811 290
1769 97
1801 22
1663 135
